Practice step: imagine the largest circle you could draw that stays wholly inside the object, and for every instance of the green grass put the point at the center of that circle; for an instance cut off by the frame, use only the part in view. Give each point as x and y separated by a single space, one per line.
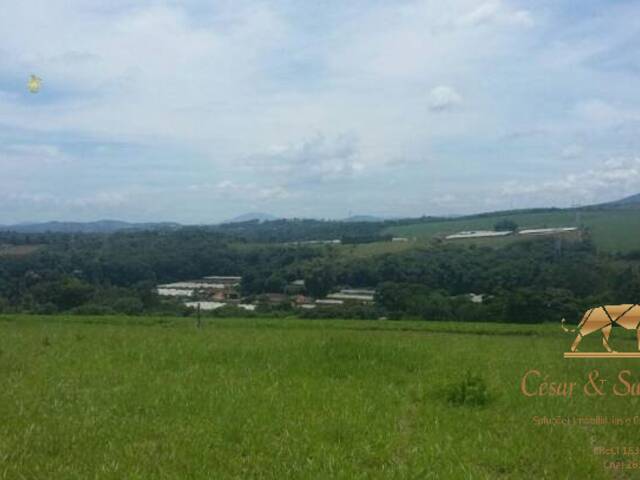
612 230
364 250
139 398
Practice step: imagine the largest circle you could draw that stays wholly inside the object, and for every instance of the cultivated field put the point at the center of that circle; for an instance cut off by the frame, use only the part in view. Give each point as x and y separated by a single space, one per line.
139 398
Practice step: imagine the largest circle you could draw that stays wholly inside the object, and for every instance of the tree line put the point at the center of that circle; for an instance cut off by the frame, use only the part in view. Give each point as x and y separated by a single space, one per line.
526 281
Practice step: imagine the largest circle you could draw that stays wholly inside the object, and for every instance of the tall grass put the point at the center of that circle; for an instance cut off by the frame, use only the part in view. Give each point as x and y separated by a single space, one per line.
114 398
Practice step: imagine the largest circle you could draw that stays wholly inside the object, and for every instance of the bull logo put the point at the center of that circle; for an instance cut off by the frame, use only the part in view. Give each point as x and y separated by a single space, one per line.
602 319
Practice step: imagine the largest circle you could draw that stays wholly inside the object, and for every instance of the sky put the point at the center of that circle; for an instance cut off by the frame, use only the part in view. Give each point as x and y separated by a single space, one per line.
197 111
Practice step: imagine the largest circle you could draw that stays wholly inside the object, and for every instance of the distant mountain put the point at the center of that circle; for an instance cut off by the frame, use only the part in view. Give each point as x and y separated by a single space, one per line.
363 218
100 226
252 216
631 202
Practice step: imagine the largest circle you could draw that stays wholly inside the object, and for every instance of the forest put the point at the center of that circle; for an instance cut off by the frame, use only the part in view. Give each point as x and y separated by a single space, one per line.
530 281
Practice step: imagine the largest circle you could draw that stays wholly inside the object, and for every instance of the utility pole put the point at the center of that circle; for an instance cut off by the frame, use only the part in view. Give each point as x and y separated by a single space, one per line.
198 316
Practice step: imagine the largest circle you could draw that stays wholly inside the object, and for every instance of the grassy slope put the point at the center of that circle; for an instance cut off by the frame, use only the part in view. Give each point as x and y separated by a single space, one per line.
376 248
117 398
613 230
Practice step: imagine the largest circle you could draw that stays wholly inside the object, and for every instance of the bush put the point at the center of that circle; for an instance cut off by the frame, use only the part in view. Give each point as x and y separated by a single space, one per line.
128 306
471 391
631 255
172 307
46 309
4 305
505 225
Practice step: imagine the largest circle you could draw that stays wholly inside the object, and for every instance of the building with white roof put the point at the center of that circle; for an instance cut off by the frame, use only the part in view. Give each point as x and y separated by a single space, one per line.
478 234
546 231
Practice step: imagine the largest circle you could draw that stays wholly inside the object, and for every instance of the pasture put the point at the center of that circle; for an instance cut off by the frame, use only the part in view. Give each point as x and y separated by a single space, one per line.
137 398
373 249
612 230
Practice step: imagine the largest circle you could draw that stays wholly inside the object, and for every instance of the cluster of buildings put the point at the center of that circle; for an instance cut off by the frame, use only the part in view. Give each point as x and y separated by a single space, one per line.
214 287
527 231
477 234
213 292
316 242
347 296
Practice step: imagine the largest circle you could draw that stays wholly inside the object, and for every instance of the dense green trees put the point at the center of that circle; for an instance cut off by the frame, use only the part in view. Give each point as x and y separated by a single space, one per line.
505 225
320 281
526 281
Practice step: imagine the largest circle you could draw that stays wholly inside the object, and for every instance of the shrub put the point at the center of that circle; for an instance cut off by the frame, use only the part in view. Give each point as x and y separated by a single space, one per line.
128 306
231 311
505 225
46 309
471 391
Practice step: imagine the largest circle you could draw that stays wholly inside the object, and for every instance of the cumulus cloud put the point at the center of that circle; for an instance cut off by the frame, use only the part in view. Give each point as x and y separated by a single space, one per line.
96 200
443 98
154 69
314 160
495 11
208 91
572 151
612 179
247 191
601 113
33 153
447 200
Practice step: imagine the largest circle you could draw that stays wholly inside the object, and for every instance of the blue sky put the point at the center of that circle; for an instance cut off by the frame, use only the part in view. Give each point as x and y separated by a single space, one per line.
198 111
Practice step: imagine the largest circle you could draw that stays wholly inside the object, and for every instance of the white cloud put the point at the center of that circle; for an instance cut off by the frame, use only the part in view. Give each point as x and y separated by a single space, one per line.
572 151
447 200
134 73
610 180
99 200
601 113
246 192
495 11
32 153
40 199
235 90
273 193
443 97
315 159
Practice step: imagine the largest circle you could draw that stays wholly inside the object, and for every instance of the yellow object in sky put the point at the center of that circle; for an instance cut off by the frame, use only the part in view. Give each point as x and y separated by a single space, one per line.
34 84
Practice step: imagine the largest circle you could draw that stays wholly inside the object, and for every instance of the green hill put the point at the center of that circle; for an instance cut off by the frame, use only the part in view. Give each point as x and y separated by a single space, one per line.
612 229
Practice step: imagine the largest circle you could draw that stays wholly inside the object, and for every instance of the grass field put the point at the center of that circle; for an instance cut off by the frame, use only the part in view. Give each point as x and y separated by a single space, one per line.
138 398
612 230
365 250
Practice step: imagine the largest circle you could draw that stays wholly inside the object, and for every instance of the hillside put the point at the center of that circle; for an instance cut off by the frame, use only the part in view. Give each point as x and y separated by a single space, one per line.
632 201
252 216
363 218
612 229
